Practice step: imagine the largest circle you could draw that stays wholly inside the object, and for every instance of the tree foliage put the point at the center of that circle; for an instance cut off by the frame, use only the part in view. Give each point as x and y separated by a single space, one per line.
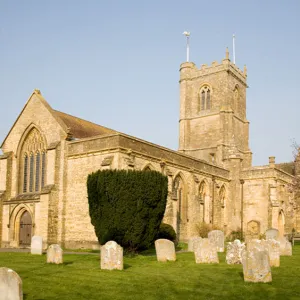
127 206
166 231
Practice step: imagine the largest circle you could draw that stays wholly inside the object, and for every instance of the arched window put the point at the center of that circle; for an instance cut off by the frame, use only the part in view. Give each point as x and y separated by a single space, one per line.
236 96
205 98
202 191
25 174
178 193
33 164
31 168
37 171
222 196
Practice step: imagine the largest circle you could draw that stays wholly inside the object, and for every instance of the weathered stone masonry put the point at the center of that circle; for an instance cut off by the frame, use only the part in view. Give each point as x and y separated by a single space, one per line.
211 178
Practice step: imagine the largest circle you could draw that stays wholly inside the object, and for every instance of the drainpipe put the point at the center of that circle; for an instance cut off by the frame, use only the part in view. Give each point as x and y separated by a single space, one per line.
242 208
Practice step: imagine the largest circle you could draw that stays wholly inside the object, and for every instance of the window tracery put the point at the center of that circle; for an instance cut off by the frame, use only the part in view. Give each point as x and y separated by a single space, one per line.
205 98
33 156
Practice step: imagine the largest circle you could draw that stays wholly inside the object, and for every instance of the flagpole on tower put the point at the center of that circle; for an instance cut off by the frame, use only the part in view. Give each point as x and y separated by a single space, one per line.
233 44
187 34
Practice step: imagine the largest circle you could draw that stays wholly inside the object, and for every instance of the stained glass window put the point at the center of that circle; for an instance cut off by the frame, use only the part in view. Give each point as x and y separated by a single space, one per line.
37 171
25 178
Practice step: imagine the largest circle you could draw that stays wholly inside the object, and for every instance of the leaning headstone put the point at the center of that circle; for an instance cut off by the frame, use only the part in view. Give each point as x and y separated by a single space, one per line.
285 247
206 252
10 285
216 237
234 252
165 250
273 247
55 254
192 242
37 245
111 256
256 265
272 233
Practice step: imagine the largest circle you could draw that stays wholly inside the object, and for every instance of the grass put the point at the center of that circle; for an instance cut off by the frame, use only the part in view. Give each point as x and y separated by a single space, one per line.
80 277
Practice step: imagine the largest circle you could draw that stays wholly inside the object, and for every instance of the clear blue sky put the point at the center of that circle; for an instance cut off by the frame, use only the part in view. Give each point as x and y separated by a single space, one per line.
116 63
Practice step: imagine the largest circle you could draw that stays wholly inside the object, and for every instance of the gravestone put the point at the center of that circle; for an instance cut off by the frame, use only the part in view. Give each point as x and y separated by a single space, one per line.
10 285
37 245
55 254
165 250
234 252
206 252
216 237
192 242
256 265
111 256
285 247
256 243
272 233
273 247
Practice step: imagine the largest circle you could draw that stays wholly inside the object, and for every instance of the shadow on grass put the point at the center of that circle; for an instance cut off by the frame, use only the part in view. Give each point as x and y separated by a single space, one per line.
67 263
241 275
126 266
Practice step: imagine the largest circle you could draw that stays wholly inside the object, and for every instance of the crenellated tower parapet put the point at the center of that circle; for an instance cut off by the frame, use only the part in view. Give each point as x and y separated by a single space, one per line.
189 71
213 123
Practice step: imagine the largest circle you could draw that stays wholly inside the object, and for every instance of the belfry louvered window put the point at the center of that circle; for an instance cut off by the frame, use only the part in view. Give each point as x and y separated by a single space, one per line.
33 163
205 98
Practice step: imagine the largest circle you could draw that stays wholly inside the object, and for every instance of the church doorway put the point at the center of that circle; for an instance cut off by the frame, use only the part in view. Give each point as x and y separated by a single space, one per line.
25 229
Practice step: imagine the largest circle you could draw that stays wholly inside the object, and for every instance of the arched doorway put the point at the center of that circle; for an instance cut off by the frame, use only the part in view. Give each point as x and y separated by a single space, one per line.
25 229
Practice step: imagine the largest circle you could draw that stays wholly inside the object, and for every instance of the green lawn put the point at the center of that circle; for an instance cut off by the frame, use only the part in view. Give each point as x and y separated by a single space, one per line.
80 277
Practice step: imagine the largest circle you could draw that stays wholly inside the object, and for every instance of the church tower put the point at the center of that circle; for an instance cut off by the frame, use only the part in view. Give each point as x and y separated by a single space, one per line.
213 123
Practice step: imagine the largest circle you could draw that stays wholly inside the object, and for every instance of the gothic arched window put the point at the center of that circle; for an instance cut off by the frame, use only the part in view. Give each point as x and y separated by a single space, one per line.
236 96
33 163
205 98
222 196
202 191
25 174
178 193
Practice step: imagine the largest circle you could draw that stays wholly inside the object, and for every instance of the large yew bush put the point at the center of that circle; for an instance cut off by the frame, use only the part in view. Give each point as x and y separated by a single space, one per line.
127 206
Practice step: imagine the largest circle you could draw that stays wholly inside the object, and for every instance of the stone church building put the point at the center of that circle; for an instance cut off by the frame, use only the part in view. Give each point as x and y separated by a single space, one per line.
48 154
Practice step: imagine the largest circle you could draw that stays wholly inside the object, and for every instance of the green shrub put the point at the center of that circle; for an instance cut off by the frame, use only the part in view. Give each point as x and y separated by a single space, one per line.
234 235
203 229
166 231
127 206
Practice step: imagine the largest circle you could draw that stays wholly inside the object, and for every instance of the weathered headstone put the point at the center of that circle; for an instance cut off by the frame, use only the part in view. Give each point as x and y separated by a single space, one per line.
37 245
285 247
234 252
55 254
165 250
273 247
206 252
192 242
111 256
216 237
256 265
256 243
272 233
10 285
